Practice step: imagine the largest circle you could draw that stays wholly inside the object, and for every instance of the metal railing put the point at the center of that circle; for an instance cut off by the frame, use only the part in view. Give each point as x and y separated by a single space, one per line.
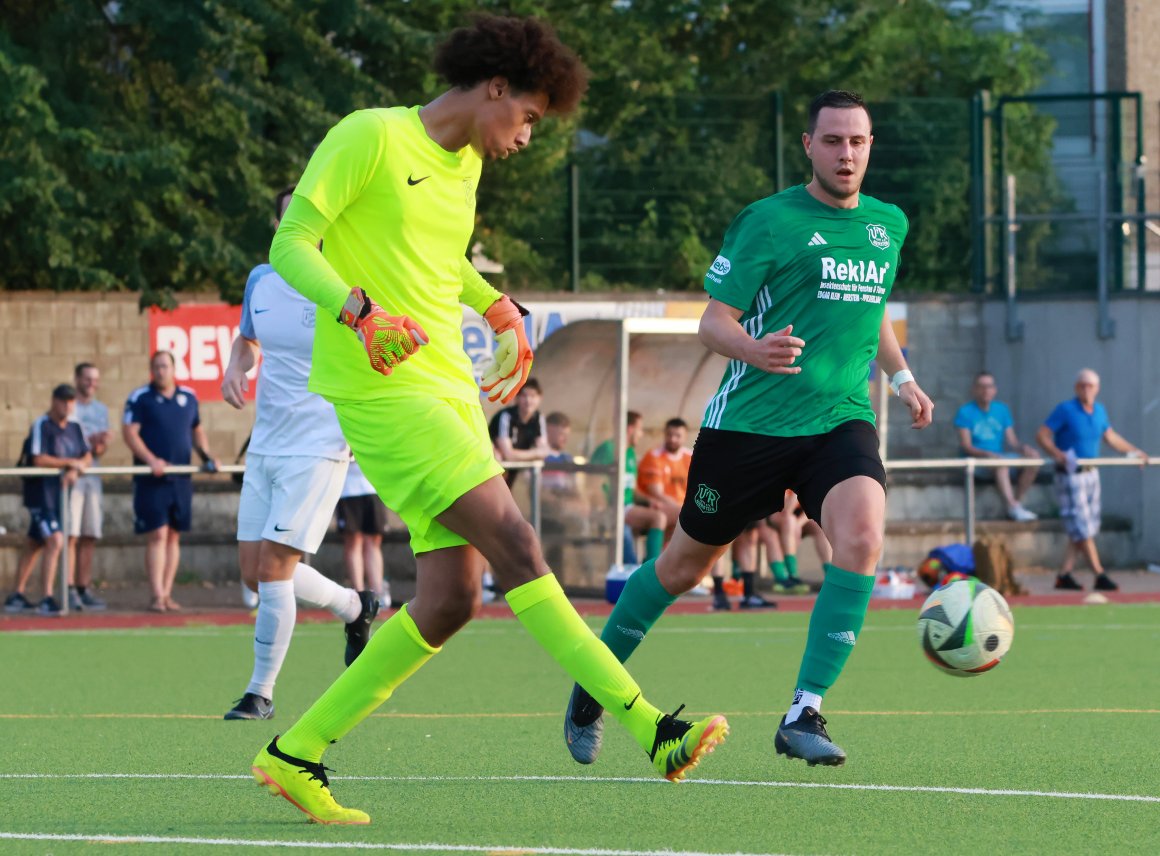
969 466
174 469
66 505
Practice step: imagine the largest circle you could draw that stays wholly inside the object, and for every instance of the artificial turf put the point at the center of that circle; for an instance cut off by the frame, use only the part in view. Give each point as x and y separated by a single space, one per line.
469 753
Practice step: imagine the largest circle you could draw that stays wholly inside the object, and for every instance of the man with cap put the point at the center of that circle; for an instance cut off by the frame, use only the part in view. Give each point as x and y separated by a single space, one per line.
55 440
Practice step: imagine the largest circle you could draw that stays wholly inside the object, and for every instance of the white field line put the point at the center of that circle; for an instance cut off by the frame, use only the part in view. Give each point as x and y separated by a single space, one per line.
320 631
587 780
549 714
506 849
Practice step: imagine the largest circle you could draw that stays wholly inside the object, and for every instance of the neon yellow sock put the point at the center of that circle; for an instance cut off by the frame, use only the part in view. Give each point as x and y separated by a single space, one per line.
553 622
393 654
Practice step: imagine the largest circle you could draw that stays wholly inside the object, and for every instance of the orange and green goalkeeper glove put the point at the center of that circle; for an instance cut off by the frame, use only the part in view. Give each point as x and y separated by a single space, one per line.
388 339
512 361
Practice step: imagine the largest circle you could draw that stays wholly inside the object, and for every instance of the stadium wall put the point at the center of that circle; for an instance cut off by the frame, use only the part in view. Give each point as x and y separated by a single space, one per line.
948 340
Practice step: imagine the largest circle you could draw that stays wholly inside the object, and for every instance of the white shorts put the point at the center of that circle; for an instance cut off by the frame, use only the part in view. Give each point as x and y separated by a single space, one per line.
85 516
289 500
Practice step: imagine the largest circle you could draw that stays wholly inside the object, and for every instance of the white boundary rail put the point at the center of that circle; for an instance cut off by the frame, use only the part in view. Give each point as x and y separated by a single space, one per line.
20 472
969 466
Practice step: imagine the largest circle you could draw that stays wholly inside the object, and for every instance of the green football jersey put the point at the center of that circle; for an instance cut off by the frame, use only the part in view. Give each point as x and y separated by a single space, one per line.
790 259
604 455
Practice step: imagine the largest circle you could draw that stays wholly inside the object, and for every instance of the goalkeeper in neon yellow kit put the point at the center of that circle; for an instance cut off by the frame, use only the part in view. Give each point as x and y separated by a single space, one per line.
392 192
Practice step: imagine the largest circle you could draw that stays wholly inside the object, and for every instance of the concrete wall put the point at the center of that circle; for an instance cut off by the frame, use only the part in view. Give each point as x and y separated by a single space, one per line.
949 340
44 335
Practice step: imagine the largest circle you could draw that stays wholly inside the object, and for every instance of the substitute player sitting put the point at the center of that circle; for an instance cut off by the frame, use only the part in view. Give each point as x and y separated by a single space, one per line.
798 298
295 466
393 191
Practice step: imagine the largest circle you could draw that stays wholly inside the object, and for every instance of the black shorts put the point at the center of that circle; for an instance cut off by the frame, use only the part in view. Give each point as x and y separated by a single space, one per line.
363 514
166 501
736 477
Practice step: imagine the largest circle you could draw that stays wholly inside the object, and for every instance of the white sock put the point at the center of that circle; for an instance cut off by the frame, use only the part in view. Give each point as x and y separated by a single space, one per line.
273 628
317 591
801 700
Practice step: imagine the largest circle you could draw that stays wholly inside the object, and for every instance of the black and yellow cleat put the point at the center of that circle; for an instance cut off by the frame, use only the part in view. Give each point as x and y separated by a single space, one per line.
304 785
679 745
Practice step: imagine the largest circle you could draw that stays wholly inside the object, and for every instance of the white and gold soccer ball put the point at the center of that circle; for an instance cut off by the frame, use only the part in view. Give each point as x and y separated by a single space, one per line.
965 628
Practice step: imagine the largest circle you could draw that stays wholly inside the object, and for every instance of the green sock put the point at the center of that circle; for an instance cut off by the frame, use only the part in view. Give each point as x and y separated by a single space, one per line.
393 654
553 622
834 625
779 572
654 542
791 564
643 601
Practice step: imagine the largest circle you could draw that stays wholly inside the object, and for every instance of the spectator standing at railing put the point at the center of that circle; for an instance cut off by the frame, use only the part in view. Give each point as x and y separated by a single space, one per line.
162 428
1074 430
55 440
640 513
519 432
985 426
86 515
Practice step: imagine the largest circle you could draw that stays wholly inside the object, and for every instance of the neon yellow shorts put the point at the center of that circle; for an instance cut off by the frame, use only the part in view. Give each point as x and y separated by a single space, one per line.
421 454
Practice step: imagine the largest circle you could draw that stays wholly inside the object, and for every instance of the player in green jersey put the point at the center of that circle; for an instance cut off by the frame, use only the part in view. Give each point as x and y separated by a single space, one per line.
798 297
390 193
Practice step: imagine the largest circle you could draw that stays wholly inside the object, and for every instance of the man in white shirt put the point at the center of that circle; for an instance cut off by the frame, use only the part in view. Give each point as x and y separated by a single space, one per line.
295 466
86 516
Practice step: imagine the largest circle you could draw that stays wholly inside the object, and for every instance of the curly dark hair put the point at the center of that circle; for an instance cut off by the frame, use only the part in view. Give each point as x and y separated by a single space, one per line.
526 51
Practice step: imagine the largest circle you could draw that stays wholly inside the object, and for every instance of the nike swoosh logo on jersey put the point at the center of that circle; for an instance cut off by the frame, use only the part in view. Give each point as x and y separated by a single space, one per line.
414 181
260 311
278 528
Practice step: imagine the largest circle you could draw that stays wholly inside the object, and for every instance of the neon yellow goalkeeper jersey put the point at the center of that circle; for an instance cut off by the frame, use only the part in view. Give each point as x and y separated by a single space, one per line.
401 211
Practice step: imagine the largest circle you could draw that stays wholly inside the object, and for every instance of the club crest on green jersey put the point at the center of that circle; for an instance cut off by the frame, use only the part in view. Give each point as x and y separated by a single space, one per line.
706 499
878 236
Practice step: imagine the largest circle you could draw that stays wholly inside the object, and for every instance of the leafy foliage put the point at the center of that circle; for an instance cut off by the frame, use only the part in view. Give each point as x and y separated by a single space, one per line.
141 143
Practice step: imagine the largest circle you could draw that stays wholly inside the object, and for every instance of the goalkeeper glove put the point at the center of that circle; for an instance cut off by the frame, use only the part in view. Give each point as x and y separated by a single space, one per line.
388 339
512 361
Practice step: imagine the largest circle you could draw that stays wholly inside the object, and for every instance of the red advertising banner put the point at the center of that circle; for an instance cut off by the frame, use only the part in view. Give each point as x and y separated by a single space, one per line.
200 338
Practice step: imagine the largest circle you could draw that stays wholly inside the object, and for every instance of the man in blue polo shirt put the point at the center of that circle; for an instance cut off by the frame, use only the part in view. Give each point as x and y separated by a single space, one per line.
1073 431
985 426
161 428
57 441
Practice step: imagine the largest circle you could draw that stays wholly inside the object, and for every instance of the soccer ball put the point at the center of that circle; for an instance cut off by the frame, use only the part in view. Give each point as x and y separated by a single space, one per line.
965 628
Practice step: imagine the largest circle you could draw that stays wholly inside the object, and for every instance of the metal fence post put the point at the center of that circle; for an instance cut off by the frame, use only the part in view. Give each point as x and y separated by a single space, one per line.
1010 228
969 502
1106 327
65 525
574 222
537 474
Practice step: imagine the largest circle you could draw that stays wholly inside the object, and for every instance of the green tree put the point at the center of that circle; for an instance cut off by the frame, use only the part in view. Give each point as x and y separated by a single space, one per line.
142 142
